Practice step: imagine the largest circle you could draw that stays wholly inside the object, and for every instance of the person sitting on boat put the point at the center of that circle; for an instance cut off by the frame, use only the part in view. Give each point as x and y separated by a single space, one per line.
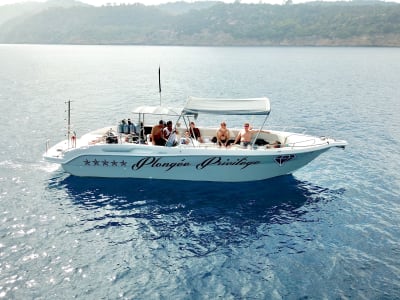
167 130
246 134
111 137
223 135
169 135
195 132
185 139
276 144
157 136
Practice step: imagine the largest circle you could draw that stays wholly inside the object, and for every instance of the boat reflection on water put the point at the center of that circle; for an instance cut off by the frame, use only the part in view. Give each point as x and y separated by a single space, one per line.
261 201
212 213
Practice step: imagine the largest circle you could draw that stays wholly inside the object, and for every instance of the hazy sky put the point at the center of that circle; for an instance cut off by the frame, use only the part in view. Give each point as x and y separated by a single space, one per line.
152 2
148 2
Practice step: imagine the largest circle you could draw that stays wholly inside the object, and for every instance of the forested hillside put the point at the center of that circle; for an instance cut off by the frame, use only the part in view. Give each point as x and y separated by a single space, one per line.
215 23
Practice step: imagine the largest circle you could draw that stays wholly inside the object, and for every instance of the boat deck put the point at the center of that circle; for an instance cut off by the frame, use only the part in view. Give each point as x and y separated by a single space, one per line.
208 134
288 142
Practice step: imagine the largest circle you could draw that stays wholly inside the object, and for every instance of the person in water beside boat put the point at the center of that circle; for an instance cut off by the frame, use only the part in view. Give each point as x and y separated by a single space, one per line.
157 135
246 134
223 135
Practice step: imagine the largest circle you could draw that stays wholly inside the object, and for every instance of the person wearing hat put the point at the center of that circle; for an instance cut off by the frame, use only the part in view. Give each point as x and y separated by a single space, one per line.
157 136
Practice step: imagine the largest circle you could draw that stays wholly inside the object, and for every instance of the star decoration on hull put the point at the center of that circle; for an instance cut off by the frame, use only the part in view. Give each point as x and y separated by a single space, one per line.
104 163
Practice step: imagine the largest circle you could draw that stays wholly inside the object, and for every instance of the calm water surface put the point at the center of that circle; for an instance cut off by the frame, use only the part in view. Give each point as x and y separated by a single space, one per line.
329 231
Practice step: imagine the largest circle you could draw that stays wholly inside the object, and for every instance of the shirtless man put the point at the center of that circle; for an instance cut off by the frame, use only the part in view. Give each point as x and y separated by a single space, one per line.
246 134
157 136
223 135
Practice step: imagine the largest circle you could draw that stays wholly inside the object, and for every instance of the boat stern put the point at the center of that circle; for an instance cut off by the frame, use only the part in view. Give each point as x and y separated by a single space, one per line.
55 154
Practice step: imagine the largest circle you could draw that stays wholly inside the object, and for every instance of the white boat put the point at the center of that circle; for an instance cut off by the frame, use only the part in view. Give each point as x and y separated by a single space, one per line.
124 155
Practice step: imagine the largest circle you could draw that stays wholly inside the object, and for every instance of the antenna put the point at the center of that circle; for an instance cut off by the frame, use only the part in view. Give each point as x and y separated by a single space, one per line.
159 82
68 120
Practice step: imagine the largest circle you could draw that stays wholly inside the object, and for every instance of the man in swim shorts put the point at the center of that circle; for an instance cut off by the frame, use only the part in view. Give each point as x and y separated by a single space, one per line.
245 135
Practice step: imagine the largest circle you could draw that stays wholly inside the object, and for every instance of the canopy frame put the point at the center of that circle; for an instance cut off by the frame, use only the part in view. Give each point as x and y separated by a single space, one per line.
245 106
153 110
224 106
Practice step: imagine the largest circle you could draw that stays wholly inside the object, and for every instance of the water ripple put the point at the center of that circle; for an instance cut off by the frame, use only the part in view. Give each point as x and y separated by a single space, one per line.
195 212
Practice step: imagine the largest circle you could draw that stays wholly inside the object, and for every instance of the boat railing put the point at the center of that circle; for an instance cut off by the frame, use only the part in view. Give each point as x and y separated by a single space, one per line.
296 129
313 141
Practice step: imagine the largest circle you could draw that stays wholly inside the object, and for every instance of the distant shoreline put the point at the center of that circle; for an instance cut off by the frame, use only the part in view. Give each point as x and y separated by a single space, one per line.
216 46
212 24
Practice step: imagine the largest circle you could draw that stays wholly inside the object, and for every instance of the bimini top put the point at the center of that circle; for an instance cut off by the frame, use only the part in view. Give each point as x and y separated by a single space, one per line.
249 106
157 110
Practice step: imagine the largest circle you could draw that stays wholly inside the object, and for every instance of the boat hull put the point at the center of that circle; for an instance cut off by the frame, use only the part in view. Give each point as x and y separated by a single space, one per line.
221 166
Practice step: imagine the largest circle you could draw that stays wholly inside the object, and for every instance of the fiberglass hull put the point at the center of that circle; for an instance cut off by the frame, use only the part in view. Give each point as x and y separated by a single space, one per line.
223 165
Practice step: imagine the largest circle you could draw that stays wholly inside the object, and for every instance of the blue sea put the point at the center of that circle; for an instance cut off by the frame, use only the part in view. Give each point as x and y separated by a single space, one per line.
331 230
